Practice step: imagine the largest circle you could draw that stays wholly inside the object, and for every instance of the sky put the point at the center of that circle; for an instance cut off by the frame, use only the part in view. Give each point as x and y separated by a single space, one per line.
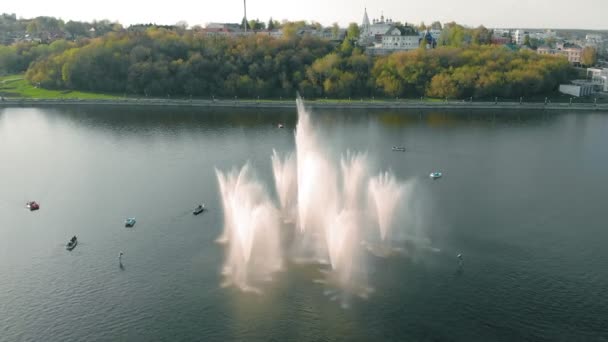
583 14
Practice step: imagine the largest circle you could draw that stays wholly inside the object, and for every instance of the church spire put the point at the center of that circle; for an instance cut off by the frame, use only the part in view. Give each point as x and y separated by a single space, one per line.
365 23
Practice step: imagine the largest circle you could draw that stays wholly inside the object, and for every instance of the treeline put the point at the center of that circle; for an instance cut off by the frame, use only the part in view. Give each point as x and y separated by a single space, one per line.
17 57
478 71
159 62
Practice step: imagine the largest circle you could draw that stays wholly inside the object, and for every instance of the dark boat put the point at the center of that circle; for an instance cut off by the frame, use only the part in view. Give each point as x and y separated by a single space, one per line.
130 222
72 243
399 148
198 209
32 205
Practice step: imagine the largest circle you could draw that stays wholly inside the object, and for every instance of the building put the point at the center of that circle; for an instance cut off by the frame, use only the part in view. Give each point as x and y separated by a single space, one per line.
398 38
594 39
543 35
383 36
571 51
578 90
324 33
371 33
599 77
519 37
225 30
500 40
401 38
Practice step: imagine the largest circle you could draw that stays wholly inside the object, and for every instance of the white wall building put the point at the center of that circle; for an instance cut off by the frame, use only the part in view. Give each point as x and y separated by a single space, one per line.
577 90
599 77
519 37
543 35
401 38
372 32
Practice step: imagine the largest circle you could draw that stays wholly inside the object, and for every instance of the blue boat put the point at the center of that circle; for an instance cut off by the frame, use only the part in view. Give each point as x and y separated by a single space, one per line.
435 175
130 222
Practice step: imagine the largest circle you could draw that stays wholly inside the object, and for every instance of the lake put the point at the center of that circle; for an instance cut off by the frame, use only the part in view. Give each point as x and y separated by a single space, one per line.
523 197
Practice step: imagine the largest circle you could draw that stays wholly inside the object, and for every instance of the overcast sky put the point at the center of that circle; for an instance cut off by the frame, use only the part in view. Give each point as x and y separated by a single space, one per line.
586 14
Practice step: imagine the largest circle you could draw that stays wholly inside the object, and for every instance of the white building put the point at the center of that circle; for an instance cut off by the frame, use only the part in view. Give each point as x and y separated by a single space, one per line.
435 34
519 37
371 33
577 90
594 40
599 77
325 33
400 38
542 35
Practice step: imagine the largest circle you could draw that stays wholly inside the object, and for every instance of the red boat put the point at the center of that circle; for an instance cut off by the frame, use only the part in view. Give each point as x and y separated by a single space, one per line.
32 205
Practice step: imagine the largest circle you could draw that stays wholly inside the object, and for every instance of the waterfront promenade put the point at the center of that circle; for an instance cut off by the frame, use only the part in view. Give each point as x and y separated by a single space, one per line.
337 104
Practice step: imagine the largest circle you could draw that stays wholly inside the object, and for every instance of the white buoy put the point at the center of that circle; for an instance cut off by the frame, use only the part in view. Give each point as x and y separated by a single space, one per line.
460 260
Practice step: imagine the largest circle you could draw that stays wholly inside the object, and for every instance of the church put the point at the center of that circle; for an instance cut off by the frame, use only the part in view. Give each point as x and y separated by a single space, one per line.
383 36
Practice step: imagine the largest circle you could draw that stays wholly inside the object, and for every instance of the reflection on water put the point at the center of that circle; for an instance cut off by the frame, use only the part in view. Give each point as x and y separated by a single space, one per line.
521 198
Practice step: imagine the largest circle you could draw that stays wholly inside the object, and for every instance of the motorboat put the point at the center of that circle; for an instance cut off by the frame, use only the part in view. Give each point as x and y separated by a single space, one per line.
280 125
199 209
399 148
435 175
72 243
32 205
130 222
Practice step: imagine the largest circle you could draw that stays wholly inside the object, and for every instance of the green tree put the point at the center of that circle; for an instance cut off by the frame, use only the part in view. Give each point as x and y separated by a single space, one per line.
75 29
335 31
352 32
589 56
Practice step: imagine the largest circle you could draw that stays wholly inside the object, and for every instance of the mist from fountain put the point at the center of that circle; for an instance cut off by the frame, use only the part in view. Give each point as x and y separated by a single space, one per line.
251 229
328 208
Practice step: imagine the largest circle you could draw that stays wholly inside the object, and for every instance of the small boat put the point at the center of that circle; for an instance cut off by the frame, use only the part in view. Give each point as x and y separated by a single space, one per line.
280 125
32 205
399 148
435 175
130 222
72 243
198 209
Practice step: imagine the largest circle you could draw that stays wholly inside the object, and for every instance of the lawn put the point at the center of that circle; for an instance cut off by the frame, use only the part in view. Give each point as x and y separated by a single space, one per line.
15 86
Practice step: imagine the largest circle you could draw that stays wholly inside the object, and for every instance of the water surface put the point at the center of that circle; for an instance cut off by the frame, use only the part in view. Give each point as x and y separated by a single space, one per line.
523 197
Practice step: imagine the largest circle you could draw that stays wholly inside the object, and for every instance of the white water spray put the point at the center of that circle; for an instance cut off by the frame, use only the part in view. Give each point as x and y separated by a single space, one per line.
328 206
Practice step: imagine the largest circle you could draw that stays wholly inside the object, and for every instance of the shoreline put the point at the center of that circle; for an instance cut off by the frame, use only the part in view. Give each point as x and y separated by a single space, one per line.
319 104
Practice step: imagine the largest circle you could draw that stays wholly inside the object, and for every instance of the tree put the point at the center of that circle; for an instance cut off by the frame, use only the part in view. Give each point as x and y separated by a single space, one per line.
589 56
75 29
481 35
256 25
353 31
436 26
335 31
245 24
270 25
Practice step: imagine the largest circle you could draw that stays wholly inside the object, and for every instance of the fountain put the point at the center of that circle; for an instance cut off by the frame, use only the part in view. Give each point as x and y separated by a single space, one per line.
331 211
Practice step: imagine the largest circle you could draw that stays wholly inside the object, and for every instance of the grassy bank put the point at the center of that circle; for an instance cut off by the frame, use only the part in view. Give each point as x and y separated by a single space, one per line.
15 86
